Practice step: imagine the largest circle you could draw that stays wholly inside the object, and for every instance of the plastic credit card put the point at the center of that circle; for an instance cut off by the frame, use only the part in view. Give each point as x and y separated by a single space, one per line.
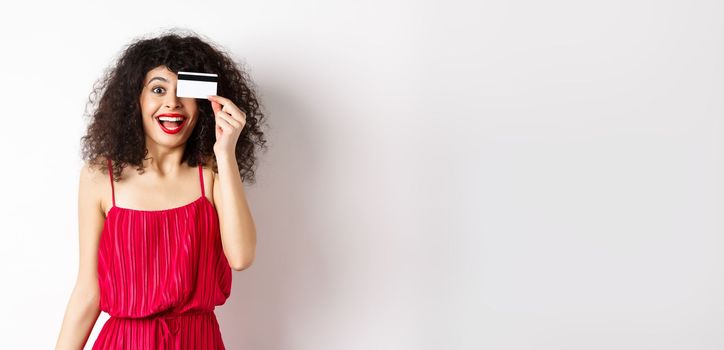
194 84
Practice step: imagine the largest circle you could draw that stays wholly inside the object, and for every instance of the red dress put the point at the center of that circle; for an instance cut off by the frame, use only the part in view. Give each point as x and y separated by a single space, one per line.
161 273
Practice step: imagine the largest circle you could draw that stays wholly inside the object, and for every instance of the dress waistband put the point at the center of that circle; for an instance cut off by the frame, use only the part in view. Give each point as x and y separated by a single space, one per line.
163 319
169 314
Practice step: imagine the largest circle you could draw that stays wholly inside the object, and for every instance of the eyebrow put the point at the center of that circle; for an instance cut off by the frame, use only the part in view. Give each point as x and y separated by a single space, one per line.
159 78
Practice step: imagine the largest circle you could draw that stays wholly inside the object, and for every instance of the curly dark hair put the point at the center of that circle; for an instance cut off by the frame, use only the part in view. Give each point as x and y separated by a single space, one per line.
116 130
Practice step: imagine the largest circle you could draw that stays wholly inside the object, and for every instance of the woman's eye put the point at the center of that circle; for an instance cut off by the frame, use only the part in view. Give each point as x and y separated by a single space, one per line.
157 88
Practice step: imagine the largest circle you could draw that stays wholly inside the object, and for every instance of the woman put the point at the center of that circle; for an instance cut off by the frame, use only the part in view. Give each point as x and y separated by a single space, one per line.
157 245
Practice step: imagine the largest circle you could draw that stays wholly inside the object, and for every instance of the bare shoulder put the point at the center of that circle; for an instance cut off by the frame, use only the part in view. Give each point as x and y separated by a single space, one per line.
93 175
91 190
90 226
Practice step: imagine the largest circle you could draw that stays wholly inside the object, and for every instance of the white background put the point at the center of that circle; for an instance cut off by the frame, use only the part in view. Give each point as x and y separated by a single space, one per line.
441 175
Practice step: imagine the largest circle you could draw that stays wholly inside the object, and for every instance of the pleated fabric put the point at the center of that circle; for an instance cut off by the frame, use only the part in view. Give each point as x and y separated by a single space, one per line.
161 274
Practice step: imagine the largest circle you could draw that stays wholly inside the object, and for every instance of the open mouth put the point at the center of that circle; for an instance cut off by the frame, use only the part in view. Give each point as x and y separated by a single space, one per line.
171 124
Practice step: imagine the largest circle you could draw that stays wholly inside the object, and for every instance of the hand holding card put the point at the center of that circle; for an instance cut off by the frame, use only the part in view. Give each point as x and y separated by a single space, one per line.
230 121
194 84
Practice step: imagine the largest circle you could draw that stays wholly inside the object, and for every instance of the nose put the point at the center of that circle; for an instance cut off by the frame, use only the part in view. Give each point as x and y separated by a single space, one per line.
172 101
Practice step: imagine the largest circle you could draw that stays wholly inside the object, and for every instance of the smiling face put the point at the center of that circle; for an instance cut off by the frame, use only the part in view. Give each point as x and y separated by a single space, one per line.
167 120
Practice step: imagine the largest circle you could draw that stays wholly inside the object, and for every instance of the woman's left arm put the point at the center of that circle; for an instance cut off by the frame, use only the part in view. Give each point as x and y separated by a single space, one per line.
238 232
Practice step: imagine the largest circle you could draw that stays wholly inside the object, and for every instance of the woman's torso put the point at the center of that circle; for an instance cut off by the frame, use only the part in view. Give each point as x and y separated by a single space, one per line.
159 259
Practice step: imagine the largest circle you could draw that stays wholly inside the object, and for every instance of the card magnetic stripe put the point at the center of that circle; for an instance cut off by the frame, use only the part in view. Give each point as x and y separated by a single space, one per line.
197 77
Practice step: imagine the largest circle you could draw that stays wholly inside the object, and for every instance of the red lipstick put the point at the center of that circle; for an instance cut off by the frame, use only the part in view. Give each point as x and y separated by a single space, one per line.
181 123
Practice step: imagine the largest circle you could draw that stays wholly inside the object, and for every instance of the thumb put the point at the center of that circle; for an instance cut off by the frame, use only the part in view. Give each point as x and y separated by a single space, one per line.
215 106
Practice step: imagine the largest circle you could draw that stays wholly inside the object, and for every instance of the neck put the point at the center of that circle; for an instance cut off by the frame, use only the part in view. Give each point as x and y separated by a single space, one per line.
163 161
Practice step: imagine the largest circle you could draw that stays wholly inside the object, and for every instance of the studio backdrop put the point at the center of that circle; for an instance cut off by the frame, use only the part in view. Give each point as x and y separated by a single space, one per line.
440 174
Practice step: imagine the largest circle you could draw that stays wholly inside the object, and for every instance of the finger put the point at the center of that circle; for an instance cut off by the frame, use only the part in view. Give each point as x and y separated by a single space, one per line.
240 116
219 99
224 125
235 113
225 102
215 106
229 120
230 116
229 108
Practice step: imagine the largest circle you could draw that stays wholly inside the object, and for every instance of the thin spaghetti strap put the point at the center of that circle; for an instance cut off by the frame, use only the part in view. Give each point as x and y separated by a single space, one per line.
110 173
201 178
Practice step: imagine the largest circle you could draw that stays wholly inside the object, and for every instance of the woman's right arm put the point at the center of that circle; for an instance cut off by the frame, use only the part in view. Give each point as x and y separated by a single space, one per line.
83 307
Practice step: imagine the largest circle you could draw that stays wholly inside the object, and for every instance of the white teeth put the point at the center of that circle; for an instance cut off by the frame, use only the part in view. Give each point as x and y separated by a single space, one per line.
170 119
